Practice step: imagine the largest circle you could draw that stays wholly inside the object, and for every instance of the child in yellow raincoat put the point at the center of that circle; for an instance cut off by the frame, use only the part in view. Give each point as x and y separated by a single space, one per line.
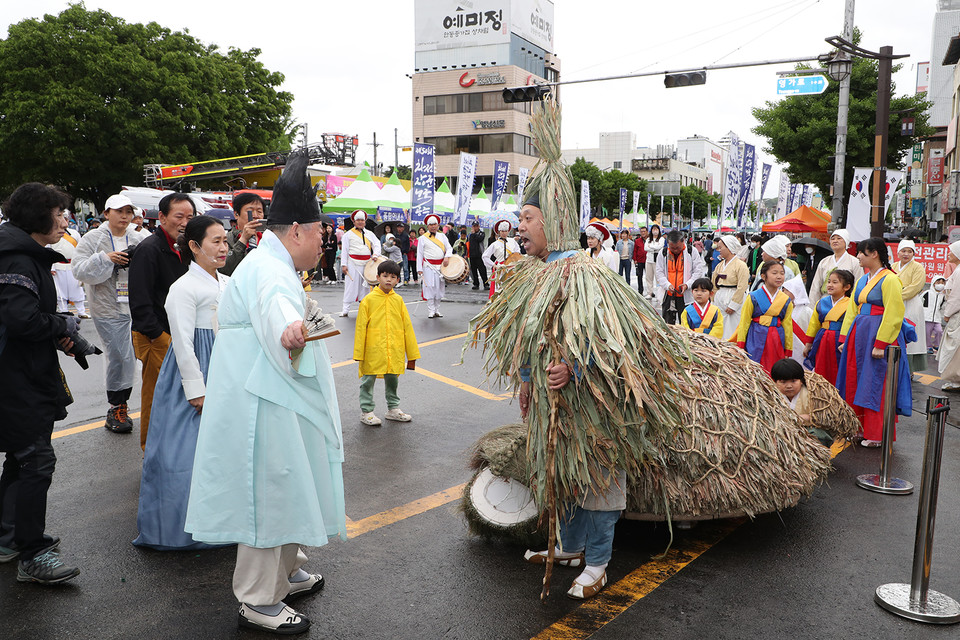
384 344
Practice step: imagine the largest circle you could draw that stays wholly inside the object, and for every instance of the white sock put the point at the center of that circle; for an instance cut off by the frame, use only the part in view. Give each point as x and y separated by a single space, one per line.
591 573
268 609
300 576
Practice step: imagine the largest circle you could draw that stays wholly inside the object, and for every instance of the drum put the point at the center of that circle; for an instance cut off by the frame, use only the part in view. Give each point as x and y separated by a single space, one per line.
501 507
456 270
370 269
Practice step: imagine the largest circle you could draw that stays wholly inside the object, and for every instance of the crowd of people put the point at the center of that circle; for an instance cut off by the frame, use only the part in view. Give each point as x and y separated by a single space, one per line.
216 318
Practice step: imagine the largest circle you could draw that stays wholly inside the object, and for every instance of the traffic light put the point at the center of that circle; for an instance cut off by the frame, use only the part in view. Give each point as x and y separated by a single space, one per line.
684 79
529 93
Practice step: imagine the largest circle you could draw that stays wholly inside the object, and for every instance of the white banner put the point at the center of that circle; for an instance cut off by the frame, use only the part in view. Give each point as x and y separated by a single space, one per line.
731 190
894 180
468 172
806 197
782 195
584 203
522 174
449 24
858 207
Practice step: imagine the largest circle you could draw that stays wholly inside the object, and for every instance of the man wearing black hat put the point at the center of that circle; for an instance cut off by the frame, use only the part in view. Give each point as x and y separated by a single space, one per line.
477 245
268 474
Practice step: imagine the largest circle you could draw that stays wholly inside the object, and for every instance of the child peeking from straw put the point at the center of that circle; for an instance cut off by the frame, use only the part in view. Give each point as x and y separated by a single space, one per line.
792 382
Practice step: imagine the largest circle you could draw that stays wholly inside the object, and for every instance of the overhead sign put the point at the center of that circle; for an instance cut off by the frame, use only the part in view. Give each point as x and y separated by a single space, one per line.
449 24
802 86
489 124
482 79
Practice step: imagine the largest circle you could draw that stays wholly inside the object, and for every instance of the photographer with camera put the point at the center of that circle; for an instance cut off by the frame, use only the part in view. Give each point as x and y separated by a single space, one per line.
101 261
33 390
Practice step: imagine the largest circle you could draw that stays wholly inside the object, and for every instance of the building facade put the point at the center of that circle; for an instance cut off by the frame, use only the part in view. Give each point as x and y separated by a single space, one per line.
464 58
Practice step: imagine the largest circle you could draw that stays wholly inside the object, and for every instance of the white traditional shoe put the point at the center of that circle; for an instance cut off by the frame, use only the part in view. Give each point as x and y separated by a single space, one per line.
304 588
431 315
397 415
580 591
562 559
343 314
950 386
871 444
287 622
370 419
437 315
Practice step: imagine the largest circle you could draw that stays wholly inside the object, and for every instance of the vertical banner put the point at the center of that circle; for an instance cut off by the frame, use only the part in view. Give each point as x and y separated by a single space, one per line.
791 198
623 205
806 196
731 189
782 202
858 206
797 198
522 174
636 209
764 176
691 215
584 203
424 181
710 215
894 180
649 197
746 181
500 171
468 172
673 212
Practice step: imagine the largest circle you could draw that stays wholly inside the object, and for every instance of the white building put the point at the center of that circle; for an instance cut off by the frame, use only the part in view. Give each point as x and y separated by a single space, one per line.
946 24
709 155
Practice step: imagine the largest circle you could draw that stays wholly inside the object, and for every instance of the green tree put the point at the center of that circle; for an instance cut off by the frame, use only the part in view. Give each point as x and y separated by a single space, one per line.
802 130
703 203
404 172
605 186
87 99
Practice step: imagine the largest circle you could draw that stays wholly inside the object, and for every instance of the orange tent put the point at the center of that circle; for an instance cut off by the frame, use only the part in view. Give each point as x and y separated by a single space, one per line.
803 220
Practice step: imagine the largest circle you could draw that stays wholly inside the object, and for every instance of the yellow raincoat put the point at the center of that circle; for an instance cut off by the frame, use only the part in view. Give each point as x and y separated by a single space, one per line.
384 340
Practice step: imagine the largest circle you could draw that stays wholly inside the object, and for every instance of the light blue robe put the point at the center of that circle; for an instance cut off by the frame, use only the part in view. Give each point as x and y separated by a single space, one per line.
270 450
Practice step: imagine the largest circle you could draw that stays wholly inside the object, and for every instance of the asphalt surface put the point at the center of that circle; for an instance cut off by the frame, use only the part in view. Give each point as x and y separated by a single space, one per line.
411 569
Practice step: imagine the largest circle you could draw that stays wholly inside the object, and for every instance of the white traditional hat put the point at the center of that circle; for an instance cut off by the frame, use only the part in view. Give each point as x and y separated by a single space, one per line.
775 247
117 201
431 217
843 233
598 231
955 249
732 243
907 243
500 223
359 214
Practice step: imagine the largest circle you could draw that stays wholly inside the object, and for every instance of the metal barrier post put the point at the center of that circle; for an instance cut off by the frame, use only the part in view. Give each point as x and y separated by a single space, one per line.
915 600
882 482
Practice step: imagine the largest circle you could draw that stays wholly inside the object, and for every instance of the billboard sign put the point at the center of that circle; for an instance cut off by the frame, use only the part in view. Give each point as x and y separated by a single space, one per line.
447 24
923 77
532 20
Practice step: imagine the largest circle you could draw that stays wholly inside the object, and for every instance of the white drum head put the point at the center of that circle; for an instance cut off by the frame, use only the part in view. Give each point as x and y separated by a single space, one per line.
502 501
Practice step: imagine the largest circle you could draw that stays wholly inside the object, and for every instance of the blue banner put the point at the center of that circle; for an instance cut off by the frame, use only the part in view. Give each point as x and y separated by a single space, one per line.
746 181
764 176
790 198
391 214
500 171
623 205
424 181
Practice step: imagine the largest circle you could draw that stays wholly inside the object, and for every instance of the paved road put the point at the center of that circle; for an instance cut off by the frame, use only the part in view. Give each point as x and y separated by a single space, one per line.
411 570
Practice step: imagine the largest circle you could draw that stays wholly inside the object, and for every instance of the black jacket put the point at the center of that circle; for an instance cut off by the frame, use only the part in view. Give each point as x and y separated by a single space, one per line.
403 241
478 243
33 391
153 268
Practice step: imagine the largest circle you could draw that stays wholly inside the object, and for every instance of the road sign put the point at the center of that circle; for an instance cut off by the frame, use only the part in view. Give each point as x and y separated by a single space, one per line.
801 86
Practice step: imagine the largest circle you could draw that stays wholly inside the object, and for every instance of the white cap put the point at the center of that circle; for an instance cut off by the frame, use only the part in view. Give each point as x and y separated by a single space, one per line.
117 201
955 249
843 233
502 224
358 215
907 243
732 243
775 247
431 218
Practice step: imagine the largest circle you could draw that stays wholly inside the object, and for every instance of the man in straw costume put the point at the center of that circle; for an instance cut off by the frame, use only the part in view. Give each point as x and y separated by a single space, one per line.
267 473
357 246
433 252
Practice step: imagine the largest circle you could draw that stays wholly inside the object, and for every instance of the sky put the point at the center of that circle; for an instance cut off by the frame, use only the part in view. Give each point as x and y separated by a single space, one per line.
346 62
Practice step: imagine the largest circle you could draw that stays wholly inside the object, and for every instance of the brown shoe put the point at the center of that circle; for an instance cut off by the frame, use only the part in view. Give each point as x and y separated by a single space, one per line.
580 591
540 557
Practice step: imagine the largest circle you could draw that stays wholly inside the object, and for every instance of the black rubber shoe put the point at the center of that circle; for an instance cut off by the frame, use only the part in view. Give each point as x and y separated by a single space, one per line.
46 568
117 420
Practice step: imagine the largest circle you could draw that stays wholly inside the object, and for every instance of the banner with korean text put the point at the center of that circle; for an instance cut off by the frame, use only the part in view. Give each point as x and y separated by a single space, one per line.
746 181
468 172
584 203
424 181
731 190
783 196
522 174
764 177
501 169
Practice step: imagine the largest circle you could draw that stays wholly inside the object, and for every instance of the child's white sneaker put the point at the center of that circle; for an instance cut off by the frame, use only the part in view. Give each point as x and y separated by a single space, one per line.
370 419
397 416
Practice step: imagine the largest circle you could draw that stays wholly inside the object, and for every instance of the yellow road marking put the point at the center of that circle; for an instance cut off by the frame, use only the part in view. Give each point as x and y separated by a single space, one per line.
85 427
459 385
593 614
359 527
420 346
923 378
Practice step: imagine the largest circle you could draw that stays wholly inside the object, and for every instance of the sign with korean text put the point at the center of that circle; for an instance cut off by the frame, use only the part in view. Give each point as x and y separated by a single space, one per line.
802 86
746 180
522 174
584 203
468 172
932 257
500 170
935 170
448 24
424 181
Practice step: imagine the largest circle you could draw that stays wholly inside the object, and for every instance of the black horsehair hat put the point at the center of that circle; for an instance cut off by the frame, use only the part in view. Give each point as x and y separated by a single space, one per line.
294 198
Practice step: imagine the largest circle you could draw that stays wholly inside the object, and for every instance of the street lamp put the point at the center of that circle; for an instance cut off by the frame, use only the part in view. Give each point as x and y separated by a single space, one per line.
839 65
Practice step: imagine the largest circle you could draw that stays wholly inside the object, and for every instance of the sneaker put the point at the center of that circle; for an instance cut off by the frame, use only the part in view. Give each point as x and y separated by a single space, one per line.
7 554
437 315
370 419
397 415
46 568
287 622
12 553
117 420
84 316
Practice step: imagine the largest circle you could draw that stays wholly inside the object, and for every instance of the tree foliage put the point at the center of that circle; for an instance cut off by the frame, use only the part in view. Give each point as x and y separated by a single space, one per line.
802 130
404 172
87 99
605 186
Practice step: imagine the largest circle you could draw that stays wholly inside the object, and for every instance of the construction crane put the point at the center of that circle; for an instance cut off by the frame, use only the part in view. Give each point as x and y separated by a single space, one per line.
336 149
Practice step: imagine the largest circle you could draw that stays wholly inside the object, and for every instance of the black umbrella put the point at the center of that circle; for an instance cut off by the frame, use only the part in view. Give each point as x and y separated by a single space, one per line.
381 228
811 242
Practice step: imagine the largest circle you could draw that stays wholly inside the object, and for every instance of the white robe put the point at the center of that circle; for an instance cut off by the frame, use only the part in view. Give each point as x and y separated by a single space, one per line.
826 266
434 286
351 244
607 256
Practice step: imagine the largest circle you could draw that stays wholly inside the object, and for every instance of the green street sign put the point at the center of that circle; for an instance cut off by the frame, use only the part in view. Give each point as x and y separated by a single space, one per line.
917 153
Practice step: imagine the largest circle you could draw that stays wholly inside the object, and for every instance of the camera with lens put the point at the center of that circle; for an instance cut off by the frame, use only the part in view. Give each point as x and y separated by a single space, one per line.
81 346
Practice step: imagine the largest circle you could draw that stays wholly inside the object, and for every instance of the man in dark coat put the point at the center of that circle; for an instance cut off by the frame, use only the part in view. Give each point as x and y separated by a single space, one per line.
33 391
156 264
477 243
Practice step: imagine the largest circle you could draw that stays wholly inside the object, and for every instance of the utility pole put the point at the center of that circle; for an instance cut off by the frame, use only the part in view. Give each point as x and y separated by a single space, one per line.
375 145
878 212
839 166
396 152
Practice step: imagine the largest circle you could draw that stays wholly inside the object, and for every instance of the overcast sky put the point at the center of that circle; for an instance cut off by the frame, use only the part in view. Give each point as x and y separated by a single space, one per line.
345 62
